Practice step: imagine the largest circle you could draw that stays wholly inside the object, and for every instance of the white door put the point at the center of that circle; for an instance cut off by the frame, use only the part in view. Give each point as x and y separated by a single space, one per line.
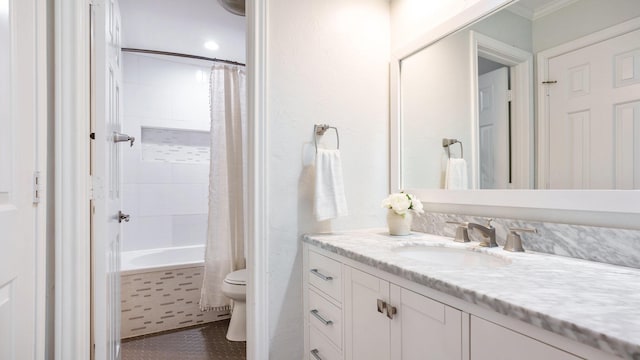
18 222
367 329
493 107
424 329
594 116
106 174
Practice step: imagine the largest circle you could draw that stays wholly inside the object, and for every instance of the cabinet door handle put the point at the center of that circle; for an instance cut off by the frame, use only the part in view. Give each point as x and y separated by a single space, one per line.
315 353
324 321
391 311
382 306
320 275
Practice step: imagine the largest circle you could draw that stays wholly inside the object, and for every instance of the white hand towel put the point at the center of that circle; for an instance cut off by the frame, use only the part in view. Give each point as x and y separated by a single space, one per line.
330 201
456 178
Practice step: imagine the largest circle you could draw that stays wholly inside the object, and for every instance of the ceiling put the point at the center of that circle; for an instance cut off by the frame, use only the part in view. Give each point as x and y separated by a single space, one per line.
183 26
534 9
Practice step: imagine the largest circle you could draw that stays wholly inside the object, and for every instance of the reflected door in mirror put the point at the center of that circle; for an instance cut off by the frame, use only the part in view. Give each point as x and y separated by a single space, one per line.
494 129
594 116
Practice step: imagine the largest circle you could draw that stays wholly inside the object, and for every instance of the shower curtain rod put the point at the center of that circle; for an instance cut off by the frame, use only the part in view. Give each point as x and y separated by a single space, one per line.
158 52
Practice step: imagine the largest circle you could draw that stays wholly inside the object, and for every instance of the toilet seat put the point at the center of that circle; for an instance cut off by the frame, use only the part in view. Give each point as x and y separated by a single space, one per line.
237 278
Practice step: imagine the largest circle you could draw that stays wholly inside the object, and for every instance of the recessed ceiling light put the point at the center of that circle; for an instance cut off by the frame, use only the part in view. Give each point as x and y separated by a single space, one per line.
212 45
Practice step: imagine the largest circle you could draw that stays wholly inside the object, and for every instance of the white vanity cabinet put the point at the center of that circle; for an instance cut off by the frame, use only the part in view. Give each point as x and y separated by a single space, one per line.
385 321
323 307
379 320
490 341
368 329
363 302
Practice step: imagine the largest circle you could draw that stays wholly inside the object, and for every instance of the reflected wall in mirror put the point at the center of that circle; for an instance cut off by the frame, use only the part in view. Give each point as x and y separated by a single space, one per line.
581 60
5 94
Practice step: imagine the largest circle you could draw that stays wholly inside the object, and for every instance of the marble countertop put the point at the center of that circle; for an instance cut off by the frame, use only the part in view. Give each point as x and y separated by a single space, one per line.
593 303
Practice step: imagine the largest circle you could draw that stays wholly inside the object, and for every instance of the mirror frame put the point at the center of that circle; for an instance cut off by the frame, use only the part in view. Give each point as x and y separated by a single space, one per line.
609 201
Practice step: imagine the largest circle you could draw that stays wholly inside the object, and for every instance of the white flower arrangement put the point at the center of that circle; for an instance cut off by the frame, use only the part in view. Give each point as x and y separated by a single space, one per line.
402 202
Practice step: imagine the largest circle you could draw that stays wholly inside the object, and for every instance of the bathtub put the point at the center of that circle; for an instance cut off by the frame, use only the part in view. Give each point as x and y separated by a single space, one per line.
161 259
160 290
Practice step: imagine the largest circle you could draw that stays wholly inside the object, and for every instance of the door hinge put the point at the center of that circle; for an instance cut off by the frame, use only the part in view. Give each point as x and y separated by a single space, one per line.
37 188
509 95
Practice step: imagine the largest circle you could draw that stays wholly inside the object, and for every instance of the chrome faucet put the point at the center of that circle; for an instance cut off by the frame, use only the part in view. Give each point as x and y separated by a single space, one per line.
462 235
488 233
514 241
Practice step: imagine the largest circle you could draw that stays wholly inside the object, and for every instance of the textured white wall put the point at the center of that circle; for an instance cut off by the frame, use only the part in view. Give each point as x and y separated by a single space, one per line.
411 19
327 63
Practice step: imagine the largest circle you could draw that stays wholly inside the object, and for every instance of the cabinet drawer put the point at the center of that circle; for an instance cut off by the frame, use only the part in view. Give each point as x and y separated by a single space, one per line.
325 274
493 342
320 347
326 317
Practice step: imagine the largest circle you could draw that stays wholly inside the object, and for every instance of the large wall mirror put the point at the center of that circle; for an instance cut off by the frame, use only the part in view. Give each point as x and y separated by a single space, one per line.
5 97
541 94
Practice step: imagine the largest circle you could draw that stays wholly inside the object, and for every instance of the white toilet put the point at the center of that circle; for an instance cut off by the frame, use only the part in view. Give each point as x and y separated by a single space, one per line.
234 287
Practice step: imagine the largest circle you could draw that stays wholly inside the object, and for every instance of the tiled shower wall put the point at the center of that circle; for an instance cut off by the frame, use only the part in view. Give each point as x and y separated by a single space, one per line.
166 172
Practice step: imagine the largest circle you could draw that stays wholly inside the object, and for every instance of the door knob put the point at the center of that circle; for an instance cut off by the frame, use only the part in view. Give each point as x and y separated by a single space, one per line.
123 217
117 137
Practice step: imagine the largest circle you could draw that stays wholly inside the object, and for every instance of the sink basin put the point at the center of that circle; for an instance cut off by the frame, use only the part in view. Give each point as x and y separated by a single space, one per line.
450 257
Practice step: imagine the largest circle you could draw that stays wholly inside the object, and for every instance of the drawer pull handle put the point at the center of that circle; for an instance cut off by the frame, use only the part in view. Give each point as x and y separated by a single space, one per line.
382 306
315 353
391 311
315 313
320 275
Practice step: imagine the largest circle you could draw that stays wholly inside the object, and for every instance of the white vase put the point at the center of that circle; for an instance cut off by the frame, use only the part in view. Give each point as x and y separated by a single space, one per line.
399 224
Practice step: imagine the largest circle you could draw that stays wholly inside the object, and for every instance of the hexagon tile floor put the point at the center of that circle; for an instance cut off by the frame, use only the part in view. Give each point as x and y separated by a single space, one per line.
206 342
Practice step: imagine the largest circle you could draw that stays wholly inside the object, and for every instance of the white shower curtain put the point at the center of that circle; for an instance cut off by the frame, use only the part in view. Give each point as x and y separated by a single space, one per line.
227 183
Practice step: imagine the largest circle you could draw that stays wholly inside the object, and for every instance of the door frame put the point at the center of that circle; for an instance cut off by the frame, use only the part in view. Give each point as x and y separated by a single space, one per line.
520 65
44 141
258 345
543 58
73 184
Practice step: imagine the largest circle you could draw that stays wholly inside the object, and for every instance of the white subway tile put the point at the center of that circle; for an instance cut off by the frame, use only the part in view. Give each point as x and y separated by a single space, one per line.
152 172
190 173
189 230
188 199
147 232
130 201
155 199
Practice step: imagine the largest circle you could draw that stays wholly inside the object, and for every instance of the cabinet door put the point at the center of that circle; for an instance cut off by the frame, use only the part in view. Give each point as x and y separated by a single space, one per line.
493 342
367 330
424 329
